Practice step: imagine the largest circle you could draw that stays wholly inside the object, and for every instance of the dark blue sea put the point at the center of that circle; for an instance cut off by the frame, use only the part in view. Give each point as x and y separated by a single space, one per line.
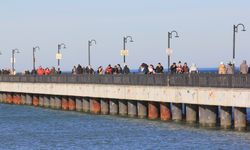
28 128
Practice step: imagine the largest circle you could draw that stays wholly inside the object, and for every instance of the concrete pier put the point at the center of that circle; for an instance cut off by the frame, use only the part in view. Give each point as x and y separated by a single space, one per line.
142 109
35 100
95 105
41 101
46 101
85 105
208 115
65 103
104 106
113 107
28 99
240 118
72 103
191 113
52 102
78 104
176 111
23 99
226 117
58 102
123 107
132 108
165 111
153 110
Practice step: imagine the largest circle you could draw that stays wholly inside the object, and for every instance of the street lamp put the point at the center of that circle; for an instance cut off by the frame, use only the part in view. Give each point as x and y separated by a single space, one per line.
59 55
125 41
235 30
90 43
34 58
13 59
169 51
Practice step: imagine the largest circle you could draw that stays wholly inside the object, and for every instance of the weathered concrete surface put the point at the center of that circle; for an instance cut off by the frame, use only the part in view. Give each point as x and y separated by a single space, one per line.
46 101
78 104
95 105
85 105
113 107
235 97
65 103
240 118
153 110
142 109
132 108
191 113
35 100
226 117
123 107
41 100
176 111
58 102
165 111
104 106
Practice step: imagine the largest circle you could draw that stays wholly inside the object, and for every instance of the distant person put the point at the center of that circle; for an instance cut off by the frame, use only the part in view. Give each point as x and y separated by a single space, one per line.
74 70
109 70
143 69
79 69
89 70
244 67
115 69
100 70
47 71
193 69
119 69
40 71
185 68
53 71
151 69
222 68
159 68
173 68
229 68
179 68
126 69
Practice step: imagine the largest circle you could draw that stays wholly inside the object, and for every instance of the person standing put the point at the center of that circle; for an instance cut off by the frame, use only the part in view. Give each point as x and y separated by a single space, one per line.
222 68
244 67
173 68
159 68
185 68
229 68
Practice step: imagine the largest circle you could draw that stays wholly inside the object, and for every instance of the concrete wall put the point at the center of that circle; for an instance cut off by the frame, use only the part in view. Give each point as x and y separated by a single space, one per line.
190 95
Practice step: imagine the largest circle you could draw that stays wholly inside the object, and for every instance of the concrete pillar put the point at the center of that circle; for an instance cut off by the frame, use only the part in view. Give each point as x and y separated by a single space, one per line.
58 102
226 117
240 118
78 104
23 99
72 103
85 105
165 111
104 106
208 115
123 107
46 101
191 113
41 101
4 98
95 105
52 102
1 97
153 110
35 100
17 99
14 99
28 99
9 98
142 109
132 108
113 107
65 103
176 111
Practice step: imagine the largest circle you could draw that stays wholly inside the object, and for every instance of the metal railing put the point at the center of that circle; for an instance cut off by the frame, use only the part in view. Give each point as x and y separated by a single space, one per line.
193 80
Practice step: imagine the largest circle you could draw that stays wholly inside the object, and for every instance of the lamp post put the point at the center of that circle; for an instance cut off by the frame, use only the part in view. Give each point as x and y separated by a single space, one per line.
13 59
90 43
170 36
34 57
59 55
125 41
235 30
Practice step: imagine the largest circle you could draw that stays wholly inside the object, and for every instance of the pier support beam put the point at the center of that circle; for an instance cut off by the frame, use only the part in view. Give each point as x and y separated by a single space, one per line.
104 106
113 107
191 113
4 98
72 104
208 115
176 111
85 105
240 118
46 101
23 99
165 111
52 102
35 100
58 102
123 107
1 97
65 103
9 98
226 117
78 104
132 108
142 109
95 105
17 98
41 100
153 110
28 99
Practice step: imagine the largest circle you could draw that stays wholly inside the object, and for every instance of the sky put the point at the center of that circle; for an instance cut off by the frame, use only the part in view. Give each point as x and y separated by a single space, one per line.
205 29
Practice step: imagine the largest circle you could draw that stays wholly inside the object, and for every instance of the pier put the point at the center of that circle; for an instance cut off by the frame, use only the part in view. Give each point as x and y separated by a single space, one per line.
207 99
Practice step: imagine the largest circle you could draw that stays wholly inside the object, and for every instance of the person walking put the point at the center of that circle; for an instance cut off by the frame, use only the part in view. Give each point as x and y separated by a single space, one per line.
244 67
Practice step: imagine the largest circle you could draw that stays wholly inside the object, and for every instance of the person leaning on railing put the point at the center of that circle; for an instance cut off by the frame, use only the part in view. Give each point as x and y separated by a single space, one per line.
244 67
193 69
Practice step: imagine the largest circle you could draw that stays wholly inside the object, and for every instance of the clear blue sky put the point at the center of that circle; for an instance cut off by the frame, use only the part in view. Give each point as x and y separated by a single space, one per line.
205 29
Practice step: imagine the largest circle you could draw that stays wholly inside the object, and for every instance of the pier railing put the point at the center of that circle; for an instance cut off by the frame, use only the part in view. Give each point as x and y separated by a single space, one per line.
193 80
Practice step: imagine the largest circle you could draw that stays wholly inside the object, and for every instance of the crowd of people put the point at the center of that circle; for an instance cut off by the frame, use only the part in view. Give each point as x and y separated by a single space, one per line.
43 71
183 69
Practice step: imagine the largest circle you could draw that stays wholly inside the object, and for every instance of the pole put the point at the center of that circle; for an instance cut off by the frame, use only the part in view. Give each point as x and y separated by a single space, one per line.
58 61
124 48
34 59
89 43
13 67
234 30
169 34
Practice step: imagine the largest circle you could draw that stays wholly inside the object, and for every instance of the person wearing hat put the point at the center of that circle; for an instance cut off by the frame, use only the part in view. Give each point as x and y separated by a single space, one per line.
222 68
229 68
